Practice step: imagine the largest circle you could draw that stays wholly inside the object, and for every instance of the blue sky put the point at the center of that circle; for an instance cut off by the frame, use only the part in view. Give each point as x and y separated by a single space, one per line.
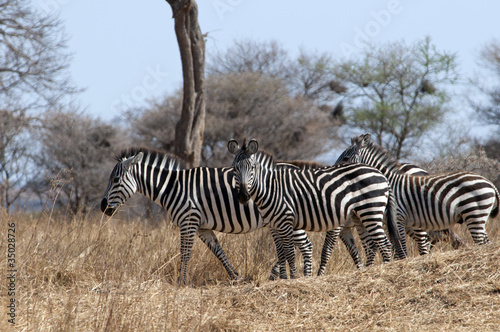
125 52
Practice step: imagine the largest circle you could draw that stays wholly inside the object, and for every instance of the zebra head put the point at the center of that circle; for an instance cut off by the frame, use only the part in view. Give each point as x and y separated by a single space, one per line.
244 167
353 153
121 184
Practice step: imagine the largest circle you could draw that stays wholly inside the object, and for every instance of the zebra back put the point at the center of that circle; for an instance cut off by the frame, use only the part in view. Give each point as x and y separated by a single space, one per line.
202 191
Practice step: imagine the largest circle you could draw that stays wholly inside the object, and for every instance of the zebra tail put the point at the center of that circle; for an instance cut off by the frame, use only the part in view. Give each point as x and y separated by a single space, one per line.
399 244
495 211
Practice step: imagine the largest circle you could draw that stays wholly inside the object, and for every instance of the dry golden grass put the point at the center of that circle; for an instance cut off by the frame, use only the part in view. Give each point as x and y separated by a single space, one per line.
100 274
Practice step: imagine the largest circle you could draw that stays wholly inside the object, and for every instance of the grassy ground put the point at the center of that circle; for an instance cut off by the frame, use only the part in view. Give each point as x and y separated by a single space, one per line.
100 274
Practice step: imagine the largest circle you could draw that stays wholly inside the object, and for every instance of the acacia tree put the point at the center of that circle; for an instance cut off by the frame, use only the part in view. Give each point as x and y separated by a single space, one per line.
253 105
397 92
249 93
310 75
151 125
33 61
489 111
74 157
241 105
33 76
189 130
313 78
14 148
488 108
248 56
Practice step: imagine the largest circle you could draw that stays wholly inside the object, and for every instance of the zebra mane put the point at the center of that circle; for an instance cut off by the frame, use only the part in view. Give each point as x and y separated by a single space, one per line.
303 164
382 156
268 158
263 155
173 161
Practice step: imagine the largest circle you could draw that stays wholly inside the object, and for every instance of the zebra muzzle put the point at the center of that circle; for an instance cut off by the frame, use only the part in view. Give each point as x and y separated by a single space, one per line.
108 210
243 195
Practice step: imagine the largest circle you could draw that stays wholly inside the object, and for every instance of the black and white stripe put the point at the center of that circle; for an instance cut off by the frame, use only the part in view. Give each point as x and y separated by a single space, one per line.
345 232
431 202
312 199
198 200
348 239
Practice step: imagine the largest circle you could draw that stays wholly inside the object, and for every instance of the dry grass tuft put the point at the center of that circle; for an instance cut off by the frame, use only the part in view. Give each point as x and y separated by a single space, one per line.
99 274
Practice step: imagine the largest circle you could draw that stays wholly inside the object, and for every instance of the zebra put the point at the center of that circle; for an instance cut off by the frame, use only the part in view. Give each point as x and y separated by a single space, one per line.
431 202
434 236
344 232
318 199
198 201
331 236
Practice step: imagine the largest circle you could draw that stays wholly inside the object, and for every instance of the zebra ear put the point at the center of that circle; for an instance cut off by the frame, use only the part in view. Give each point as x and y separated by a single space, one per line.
232 146
366 139
130 162
252 146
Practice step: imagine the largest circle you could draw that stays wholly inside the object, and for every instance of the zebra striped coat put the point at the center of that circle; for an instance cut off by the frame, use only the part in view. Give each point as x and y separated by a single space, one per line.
346 233
347 238
432 202
198 200
312 199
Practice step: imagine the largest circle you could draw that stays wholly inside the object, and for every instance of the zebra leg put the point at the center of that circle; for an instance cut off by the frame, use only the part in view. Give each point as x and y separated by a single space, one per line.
286 233
395 227
188 230
305 246
402 234
279 269
377 234
301 241
369 246
326 252
422 238
208 237
477 229
276 270
348 240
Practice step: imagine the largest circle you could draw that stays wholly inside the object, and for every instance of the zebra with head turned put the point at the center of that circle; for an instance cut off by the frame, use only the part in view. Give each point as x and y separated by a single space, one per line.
198 201
317 199
431 202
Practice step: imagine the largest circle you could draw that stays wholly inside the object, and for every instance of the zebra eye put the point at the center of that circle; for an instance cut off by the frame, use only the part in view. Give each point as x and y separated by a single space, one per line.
116 179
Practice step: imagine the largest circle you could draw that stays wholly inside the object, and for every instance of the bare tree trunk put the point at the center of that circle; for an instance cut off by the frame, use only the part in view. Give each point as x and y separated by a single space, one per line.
190 128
